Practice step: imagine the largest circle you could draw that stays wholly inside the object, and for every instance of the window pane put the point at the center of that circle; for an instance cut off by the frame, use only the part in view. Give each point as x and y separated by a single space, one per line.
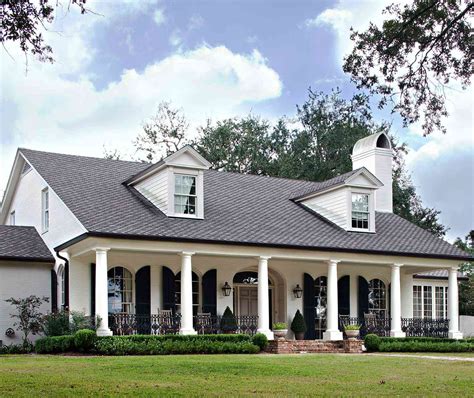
427 302
417 304
360 202
440 302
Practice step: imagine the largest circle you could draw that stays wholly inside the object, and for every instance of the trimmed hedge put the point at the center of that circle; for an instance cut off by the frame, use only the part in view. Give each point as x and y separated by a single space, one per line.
417 344
84 341
260 340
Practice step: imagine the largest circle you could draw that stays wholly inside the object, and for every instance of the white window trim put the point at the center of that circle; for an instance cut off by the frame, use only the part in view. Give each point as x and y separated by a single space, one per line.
361 191
12 219
45 212
199 175
433 300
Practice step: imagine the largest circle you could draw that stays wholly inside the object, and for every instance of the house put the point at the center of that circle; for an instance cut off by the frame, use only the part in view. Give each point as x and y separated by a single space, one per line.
26 268
168 246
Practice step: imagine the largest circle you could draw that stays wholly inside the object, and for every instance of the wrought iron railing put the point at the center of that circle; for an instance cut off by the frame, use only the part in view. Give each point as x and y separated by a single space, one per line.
129 324
413 327
419 327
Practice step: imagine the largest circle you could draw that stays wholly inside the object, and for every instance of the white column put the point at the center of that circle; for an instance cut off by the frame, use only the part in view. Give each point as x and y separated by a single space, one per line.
354 296
453 310
186 294
101 291
396 303
332 332
263 304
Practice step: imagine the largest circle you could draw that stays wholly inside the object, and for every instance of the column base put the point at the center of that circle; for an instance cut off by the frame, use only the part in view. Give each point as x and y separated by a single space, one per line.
455 335
104 332
397 333
187 331
266 332
332 335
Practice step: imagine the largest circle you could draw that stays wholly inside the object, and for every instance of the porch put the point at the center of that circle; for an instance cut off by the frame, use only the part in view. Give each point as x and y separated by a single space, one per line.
140 287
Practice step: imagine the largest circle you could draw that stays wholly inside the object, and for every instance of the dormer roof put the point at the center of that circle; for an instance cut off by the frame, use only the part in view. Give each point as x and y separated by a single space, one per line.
372 141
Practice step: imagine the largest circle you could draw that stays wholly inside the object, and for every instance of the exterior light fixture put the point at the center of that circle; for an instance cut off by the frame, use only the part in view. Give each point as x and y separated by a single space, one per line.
297 291
226 289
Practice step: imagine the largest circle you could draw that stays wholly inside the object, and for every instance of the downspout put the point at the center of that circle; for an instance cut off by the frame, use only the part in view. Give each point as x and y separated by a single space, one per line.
66 280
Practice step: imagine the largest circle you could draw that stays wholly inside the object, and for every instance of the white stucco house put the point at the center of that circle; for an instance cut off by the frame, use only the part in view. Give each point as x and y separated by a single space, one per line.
133 240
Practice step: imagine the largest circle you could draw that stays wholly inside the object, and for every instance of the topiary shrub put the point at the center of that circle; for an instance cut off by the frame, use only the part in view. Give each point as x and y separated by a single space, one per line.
298 325
372 342
84 340
260 340
54 345
228 321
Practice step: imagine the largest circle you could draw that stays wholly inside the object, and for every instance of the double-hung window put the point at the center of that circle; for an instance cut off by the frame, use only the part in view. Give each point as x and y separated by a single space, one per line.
185 197
45 209
360 211
441 302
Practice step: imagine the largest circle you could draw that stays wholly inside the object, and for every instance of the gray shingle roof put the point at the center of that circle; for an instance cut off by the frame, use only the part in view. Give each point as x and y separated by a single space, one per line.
238 208
23 243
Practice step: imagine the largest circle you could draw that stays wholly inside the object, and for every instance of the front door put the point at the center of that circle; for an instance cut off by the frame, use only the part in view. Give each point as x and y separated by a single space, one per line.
248 301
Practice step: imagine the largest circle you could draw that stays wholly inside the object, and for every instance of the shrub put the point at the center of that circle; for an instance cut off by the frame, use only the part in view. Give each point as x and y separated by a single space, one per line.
54 345
260 340
228 321
16 349
80 321
372 342
352 327
84 340
298 325
161 345
279 326
56 324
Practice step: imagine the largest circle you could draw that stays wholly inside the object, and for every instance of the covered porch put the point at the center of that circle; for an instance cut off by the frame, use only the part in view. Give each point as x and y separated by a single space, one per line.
156 287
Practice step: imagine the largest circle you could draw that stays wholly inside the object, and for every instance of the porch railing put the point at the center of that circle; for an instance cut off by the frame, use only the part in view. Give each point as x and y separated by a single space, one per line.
129 324
413 327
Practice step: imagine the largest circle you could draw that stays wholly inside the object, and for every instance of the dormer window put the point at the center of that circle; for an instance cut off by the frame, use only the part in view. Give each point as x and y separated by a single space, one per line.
185 197
360 211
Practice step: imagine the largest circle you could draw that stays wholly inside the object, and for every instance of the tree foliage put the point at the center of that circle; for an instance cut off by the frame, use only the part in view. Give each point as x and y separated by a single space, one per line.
315 146
24 20
28 318
466 288
410 60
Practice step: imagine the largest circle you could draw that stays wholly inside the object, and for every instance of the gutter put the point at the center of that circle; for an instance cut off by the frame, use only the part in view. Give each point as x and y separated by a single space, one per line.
253 244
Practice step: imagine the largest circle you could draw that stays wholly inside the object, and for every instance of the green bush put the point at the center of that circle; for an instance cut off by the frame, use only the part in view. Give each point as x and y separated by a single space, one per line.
231 338
57 324
55 344
84 340
157 345
16 349
260 340
228 321
372 342
298 325
279 326
352 327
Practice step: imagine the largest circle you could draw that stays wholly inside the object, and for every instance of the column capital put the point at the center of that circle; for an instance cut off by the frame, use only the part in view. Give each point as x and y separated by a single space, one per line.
333 262
187 254
101 249
454 269
396 265
264 258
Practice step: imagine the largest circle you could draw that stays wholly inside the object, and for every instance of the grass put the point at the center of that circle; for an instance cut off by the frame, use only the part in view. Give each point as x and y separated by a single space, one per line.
233 375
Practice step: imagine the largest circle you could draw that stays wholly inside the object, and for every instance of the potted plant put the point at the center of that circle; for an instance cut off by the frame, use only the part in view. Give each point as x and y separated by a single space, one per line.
352 331
298 326
228 322
280 330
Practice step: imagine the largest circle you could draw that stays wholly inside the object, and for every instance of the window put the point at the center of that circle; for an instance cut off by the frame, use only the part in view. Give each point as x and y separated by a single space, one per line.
45 209
377 298
427 302
12 218
185 199
417 302
321 294
441 302
62 288
120 290
360 211
195 289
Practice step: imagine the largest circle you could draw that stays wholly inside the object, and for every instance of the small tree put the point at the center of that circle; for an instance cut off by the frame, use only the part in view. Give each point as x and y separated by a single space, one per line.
228 321
28 317
298 325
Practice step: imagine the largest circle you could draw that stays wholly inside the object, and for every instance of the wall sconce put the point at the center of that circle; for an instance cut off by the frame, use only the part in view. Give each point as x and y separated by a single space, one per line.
297 291
226 289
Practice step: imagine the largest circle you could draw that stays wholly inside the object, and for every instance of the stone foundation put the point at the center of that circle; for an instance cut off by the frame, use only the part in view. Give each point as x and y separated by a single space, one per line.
314 346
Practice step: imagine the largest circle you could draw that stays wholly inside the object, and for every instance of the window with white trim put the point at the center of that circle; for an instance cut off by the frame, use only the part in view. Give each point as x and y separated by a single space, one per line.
377 298
185 196
120 290
427 302
441 302
360 211
45 209
417 302
12 218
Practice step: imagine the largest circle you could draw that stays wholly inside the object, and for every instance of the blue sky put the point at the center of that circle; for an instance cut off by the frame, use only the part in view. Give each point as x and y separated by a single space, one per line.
214 59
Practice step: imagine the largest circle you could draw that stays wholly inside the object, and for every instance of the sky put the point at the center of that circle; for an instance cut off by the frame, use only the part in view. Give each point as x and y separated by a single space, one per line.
213 59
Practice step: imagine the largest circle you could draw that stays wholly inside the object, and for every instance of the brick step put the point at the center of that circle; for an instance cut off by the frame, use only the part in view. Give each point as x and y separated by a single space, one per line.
313 346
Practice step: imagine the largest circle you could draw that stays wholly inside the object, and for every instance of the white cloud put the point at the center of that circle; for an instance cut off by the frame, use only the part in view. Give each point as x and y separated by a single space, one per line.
159 16
195 22
44 110
175 38
336 18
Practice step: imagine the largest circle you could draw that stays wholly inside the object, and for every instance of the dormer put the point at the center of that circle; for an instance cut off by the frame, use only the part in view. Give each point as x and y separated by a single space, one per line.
175 185
347 200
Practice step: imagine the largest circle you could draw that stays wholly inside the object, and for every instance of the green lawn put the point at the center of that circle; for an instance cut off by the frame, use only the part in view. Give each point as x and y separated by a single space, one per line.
231 375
